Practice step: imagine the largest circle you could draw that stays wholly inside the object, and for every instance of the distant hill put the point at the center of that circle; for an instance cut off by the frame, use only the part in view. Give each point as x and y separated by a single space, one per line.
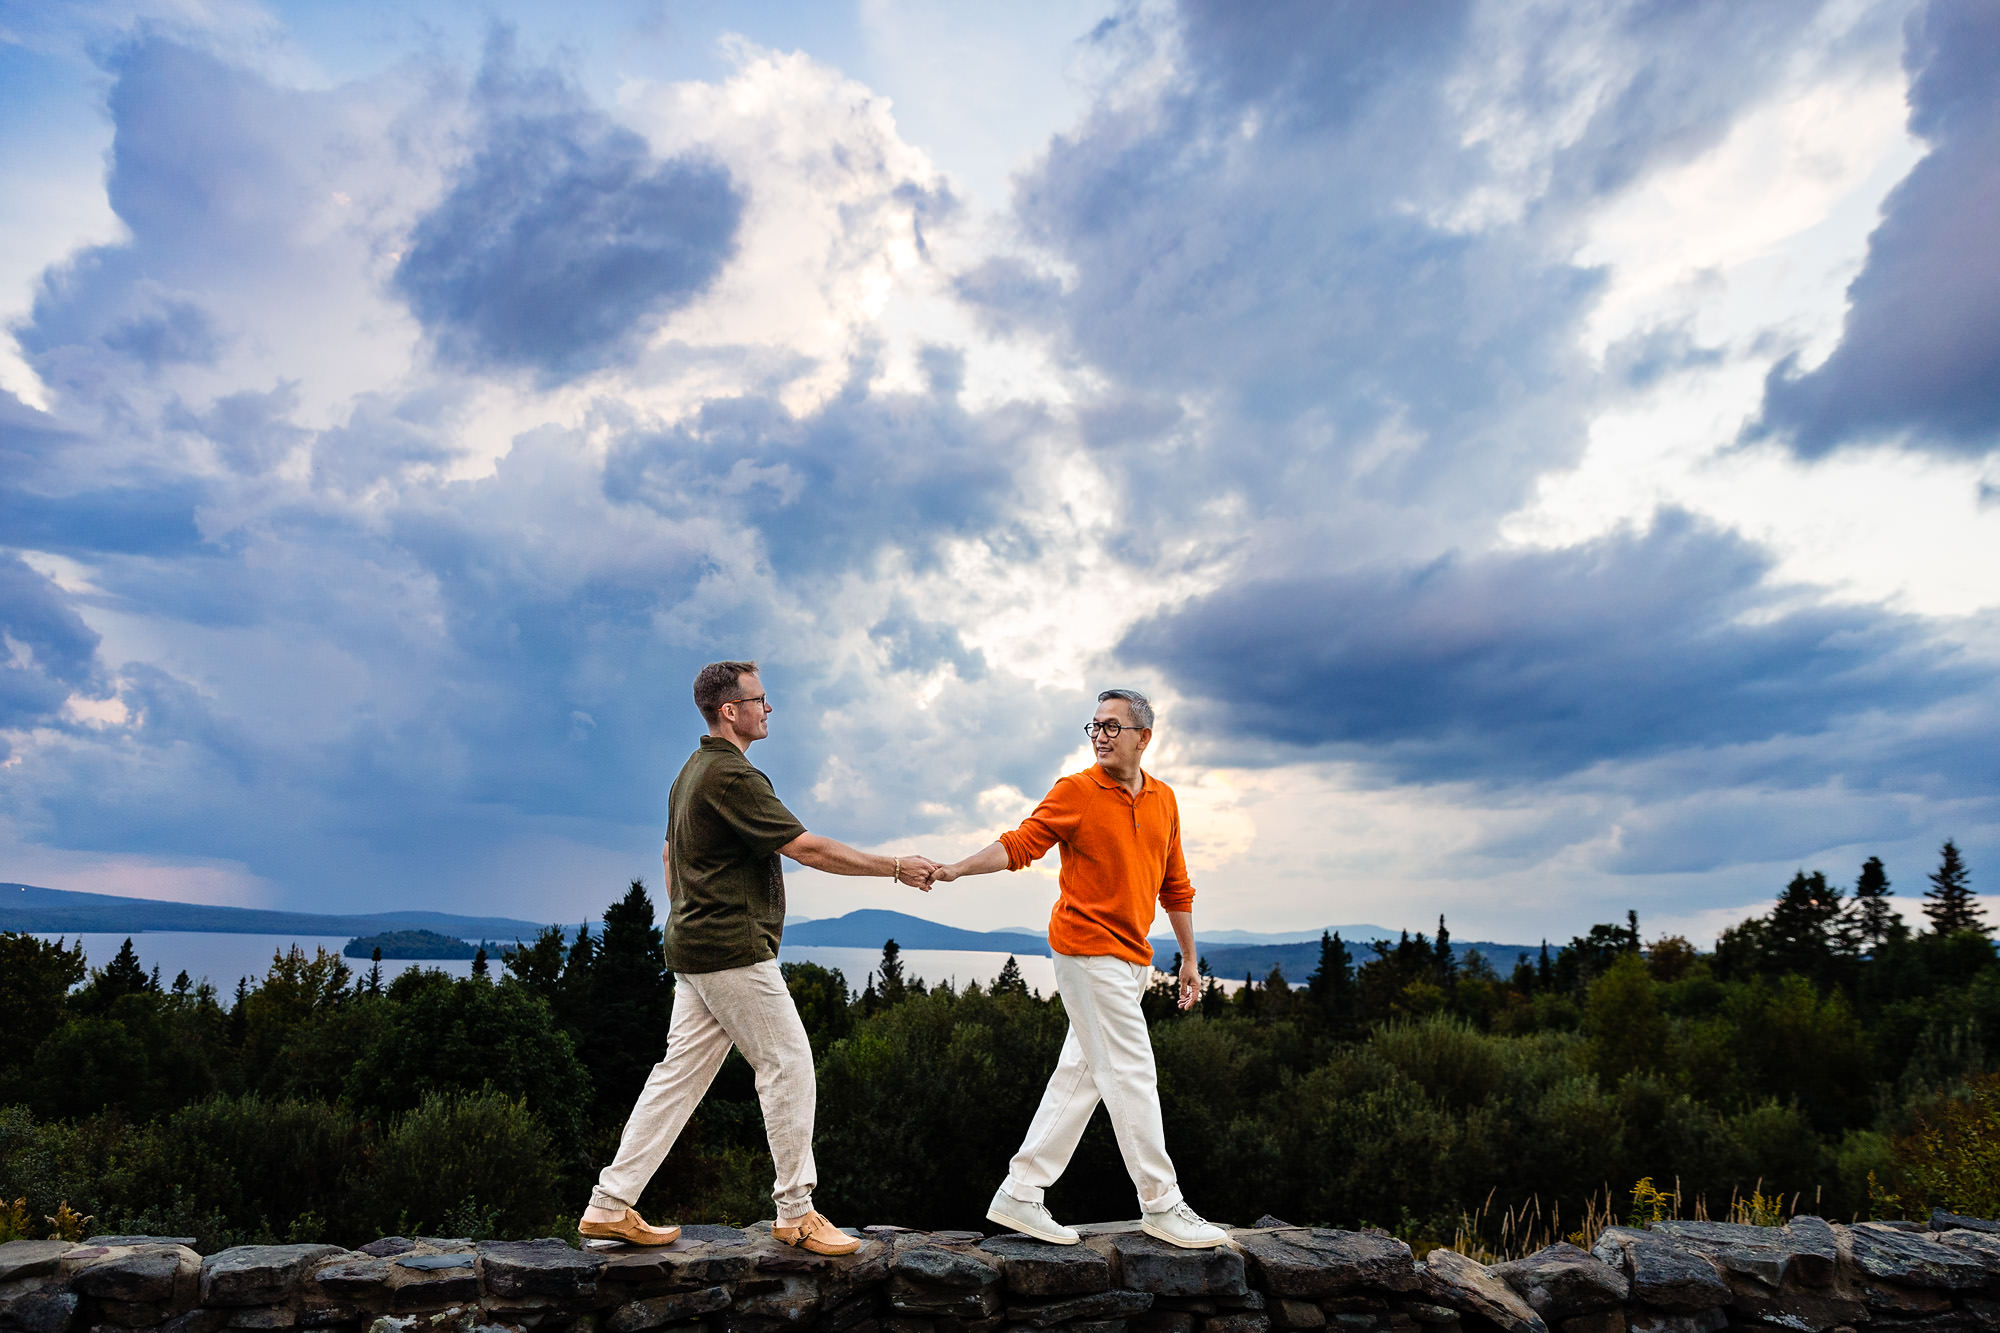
1299 960
23 907
869 927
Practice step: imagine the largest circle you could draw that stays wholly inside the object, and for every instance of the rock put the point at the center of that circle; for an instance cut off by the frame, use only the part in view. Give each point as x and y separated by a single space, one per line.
1761 1253
1604 1321
1669 1279
432 1281
787 1301
1890 1298
1423 1312
512 1268
1236 1323
932 1267
31 1258
188 1241
1035 1268
257 1274
1297 1314
1266 1222
1158 1320
351 1275
1894 1255
1562 1281
685 1263
1449 1278
41 1311
1815 1250
148 1276
387 1247
1983 1246
1944 1221
197 1321
1316 1262
1710 1320
393 1323
263 1316
1099 1305
1140 1263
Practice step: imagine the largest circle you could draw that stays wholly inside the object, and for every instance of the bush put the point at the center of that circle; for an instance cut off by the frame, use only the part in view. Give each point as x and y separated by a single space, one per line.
477 1165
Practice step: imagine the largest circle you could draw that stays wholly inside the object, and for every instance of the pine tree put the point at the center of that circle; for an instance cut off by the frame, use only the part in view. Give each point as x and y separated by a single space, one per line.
625 1027
1545 971
122 977
1874 922
182 982
1447 962
479 963
1799 934
893 991
1331 985
375 971
1010 981
1949 902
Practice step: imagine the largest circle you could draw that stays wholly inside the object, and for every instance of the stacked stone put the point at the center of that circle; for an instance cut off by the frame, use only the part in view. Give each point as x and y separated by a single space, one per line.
1807 1276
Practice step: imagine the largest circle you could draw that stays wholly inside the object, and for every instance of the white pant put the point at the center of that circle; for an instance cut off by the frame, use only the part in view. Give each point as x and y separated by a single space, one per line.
1108 1057
750 1008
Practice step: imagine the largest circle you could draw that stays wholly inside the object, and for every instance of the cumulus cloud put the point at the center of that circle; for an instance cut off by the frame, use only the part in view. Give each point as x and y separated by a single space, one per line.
1920 354
1536 664
562 235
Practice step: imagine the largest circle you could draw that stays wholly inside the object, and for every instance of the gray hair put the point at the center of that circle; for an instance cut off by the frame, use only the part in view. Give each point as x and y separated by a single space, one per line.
1141 706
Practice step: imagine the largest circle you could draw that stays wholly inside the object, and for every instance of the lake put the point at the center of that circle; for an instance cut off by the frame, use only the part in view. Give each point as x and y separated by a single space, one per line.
223 958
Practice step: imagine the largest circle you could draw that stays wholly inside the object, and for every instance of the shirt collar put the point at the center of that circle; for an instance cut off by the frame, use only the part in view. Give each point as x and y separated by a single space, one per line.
1109 783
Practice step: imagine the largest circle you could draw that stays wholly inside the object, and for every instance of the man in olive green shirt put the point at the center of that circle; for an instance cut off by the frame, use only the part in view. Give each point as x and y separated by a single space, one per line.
726 829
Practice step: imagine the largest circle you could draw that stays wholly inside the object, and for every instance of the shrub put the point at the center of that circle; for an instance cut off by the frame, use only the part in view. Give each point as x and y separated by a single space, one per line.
478 1164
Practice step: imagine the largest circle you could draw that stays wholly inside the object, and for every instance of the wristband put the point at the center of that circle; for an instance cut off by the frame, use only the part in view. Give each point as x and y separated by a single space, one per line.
897 872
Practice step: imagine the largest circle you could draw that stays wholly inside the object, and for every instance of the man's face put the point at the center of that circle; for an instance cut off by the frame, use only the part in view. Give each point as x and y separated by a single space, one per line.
750 714
1124 750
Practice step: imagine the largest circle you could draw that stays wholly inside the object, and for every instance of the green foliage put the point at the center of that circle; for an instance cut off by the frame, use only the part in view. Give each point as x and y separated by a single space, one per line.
476 1165
1950 1158
1949 902
35 976
405 944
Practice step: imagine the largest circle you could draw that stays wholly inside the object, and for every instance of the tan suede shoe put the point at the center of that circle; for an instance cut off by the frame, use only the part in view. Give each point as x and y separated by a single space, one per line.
815 1233
631 1228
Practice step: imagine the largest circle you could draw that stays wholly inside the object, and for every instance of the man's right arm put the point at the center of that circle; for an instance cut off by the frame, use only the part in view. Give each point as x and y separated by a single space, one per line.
837 858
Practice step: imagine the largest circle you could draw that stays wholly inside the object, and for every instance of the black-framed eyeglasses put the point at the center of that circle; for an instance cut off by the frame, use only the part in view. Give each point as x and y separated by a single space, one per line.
1111 727
763 699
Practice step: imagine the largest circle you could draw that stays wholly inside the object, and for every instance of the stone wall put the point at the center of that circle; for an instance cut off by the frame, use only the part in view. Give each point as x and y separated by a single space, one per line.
1676 1277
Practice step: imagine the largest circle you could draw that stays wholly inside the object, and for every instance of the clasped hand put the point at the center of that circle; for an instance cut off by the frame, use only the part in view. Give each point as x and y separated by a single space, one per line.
920 872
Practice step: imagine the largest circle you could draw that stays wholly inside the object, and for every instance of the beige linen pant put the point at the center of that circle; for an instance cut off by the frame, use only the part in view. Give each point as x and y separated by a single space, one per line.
750 1008
1106 1057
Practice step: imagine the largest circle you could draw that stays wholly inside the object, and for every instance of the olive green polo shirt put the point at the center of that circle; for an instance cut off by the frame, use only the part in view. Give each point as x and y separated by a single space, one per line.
724 828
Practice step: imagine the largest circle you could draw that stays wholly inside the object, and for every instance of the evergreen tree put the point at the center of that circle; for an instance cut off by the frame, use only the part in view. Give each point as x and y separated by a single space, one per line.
122 977
1545 971
1523 979
182 982
1011 982
1949 902
479 963
538 966
1331 985
1798 935
625 1028
1447 962
1874 922
153 982
375 970
572 997
893 990
1213 1000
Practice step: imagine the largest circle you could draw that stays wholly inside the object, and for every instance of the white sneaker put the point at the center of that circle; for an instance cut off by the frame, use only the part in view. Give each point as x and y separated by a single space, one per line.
1183 1226
1030 1219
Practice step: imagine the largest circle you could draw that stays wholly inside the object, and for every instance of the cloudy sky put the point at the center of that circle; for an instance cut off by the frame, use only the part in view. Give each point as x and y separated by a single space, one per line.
1544 458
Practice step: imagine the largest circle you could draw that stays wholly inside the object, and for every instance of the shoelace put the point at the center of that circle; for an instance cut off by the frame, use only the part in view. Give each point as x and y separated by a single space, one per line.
1188 1215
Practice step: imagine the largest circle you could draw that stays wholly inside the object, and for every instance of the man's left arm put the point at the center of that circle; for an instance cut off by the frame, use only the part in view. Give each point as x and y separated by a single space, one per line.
1177 897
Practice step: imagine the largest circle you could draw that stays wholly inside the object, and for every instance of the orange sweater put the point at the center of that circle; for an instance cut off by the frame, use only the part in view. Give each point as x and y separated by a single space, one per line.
1120 854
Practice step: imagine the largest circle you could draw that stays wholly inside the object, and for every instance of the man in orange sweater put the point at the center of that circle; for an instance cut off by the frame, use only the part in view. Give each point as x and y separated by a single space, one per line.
1120 831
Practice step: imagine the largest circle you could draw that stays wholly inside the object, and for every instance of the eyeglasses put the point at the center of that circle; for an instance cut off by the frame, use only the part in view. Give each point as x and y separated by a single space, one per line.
763 699
1111 728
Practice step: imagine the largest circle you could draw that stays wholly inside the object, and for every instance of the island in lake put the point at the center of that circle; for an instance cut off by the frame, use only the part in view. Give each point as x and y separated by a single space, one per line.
410 944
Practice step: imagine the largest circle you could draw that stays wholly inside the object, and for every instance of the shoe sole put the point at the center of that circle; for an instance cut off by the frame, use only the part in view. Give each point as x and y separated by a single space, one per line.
994 1215
1157 1234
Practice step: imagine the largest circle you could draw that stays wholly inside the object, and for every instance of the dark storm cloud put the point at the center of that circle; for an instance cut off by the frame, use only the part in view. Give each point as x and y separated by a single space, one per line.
1537 664
562 236
50 652
1920 352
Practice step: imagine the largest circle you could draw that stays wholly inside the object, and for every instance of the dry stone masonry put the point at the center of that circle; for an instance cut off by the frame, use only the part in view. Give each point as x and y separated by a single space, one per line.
1807 1276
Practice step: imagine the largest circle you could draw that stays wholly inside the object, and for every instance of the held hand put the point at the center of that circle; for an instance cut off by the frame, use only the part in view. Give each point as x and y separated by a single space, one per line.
917 871
944 874
1190 983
